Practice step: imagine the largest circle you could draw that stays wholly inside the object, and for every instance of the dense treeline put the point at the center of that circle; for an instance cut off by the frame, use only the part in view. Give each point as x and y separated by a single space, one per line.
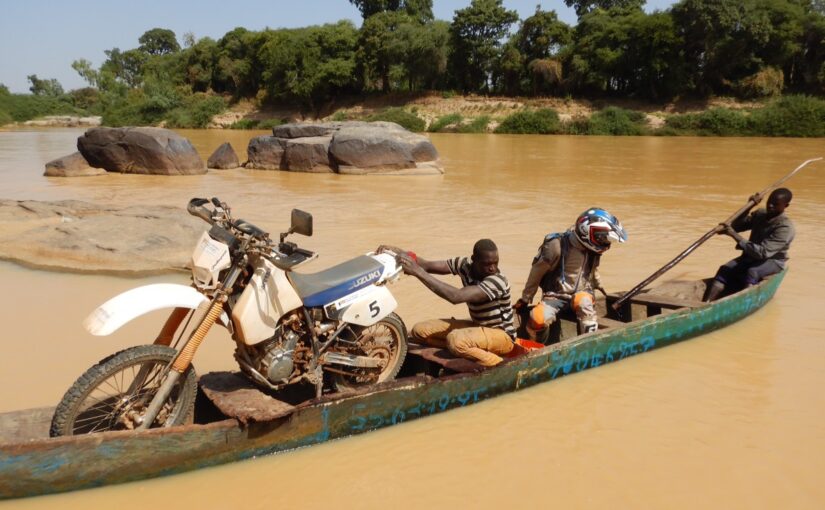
697 48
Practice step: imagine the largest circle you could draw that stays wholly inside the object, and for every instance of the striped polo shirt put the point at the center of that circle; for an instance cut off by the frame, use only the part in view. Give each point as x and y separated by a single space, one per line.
495 313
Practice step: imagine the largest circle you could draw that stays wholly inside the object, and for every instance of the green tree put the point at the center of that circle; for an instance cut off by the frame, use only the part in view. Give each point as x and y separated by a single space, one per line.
509 73
312 65
542 35
426 53
583 7
40 87
627 52
86 71
199 61
421 10
4 91
380 45
730 40
810 62
126 66
530 61
159 41
476 35
238 67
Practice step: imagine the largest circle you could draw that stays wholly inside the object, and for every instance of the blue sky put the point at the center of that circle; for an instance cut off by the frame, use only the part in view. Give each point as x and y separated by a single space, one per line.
43 37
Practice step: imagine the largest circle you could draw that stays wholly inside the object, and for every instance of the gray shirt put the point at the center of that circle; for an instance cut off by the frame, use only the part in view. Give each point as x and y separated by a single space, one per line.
770 237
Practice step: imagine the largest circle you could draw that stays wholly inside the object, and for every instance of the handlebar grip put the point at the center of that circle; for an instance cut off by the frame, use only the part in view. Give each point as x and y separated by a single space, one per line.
195 208
216 202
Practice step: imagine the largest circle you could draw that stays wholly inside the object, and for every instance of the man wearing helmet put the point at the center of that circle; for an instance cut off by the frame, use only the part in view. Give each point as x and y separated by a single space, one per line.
764 253
566 269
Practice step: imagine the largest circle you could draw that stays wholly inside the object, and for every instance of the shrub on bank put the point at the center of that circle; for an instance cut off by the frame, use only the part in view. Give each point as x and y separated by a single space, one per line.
452 119
270 123
23 107
477 125
152 106
538 122
245 124
401 117
610 121
196 112
796 115
768 82
713 122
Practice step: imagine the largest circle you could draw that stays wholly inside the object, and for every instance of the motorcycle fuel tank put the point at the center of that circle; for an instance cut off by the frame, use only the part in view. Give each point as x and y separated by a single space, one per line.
267 297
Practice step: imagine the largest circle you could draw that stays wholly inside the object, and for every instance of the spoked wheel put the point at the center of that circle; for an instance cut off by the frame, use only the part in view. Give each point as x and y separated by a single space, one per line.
386 340
114 394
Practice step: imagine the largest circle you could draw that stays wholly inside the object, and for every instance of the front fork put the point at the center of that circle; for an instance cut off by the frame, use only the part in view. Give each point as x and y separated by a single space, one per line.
184 358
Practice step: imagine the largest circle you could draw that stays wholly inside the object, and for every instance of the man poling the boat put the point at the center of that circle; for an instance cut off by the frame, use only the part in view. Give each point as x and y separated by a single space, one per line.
490 333
567 270
764 253
721 228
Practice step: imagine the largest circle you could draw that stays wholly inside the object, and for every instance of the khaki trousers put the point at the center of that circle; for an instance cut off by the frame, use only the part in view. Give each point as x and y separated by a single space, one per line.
466 339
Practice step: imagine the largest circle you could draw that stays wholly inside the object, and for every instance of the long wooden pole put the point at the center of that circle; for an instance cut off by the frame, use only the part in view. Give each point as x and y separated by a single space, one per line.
752 201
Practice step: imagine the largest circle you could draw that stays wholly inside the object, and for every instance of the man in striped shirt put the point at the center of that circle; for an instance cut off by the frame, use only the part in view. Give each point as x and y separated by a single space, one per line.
490 332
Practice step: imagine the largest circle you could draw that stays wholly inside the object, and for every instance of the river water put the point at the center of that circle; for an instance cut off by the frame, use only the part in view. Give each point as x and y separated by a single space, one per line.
733 419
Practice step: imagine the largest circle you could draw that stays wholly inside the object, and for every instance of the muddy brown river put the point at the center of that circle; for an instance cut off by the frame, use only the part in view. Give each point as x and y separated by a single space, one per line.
732 419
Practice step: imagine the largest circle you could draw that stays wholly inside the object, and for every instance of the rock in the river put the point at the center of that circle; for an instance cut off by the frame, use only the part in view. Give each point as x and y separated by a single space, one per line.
265 153
310 154
73 165
305 130
77 236
345 147
140 150
223 158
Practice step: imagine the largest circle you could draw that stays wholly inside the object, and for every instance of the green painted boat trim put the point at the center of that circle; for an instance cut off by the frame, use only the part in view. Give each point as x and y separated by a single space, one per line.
44 466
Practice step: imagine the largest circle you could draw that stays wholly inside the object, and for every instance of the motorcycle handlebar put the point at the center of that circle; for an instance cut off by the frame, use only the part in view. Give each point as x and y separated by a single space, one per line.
196 208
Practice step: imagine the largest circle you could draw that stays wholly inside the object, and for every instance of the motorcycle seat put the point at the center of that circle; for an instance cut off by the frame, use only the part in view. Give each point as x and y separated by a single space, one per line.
319 289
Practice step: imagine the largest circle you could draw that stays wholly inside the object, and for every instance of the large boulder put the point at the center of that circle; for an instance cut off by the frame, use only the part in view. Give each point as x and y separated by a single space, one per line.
223 158
376 147
353 147
73 165
265 153
310 154
85 237
140 150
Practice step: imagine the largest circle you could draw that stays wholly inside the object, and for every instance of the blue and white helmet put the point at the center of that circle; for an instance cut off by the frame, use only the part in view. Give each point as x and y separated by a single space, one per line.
597 228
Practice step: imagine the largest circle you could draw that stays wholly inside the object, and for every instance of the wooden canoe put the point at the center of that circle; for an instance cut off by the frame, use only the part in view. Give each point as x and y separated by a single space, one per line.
33 464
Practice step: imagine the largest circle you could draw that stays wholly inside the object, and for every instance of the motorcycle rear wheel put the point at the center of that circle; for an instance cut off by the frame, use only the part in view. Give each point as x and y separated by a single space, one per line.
387 340
113 394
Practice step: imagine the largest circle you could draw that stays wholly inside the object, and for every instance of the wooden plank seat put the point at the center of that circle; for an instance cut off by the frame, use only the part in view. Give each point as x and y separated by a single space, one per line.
646 298
237 397
444 358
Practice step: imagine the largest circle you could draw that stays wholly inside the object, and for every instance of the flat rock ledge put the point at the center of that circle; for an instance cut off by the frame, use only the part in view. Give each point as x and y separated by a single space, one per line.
73 165
83 237
355 148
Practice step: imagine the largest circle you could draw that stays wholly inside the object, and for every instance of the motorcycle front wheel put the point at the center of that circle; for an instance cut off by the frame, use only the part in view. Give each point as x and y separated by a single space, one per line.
115 392
385 340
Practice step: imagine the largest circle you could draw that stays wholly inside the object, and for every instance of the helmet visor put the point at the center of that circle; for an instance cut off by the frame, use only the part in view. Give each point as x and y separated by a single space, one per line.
601 236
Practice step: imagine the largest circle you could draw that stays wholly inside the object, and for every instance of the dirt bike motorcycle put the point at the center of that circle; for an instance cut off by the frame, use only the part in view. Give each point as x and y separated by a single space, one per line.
334 329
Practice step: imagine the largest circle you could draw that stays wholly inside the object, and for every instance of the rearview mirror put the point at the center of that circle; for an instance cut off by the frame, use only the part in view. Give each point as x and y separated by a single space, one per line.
301 222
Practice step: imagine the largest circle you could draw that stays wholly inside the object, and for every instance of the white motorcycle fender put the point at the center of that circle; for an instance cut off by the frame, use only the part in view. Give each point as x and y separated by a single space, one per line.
119 310
370 307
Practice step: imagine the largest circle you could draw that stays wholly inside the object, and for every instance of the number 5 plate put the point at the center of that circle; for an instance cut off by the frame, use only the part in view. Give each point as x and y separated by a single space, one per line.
370 307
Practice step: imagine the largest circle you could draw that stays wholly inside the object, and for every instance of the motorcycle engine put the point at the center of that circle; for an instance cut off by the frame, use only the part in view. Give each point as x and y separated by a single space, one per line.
276 362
